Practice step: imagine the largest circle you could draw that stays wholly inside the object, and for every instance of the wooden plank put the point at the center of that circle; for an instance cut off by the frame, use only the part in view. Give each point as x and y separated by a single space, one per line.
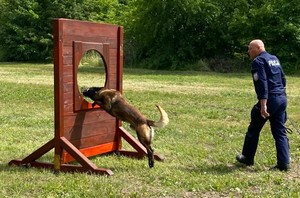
119 56
58 82
80 48
67 60
68 88
138 155
93 151
88 106
68 98
65 167
88 130
76 154
93 140
39 152
68 78
85 29
132 141
67 49
69 39
87 117
67 69
69 109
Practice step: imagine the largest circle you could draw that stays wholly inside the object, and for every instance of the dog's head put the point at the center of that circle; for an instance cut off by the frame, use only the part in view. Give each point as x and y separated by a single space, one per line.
92 92
102 96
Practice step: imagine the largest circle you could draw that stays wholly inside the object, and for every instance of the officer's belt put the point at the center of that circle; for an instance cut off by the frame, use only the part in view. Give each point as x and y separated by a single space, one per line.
276 94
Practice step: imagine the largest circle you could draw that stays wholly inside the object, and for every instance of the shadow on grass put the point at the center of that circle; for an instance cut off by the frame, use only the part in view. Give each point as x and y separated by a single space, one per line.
216 169
222 169
7 168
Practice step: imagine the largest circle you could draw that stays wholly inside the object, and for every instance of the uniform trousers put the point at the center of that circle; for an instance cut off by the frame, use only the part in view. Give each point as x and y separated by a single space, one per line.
276 107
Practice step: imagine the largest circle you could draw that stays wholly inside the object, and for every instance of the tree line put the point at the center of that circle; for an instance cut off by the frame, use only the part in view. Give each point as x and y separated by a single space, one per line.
161 34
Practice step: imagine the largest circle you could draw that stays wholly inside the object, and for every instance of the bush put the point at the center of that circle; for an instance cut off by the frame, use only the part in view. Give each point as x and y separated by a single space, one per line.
26 25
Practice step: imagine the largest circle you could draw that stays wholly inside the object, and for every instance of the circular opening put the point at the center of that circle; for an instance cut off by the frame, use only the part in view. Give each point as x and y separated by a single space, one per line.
91 72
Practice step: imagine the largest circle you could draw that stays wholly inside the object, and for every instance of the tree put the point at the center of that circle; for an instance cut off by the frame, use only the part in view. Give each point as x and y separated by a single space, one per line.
167 34
26 25
160 34
275 22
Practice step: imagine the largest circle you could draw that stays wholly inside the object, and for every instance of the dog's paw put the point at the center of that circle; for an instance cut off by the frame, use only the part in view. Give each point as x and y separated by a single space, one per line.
151 163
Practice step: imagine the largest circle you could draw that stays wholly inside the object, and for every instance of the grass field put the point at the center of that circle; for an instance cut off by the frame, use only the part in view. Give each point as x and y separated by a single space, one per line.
208 112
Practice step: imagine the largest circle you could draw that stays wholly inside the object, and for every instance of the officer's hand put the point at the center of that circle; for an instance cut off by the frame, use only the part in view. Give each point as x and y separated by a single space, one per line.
264 113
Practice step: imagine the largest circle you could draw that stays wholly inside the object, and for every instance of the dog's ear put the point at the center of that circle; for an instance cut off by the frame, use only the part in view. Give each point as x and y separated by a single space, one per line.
95 89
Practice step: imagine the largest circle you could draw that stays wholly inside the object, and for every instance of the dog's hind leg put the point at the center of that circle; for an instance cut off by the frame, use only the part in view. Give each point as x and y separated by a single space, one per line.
150 156
144 133
150 152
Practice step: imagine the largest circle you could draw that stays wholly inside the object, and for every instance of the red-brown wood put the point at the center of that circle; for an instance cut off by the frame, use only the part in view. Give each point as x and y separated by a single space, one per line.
82 131
63 167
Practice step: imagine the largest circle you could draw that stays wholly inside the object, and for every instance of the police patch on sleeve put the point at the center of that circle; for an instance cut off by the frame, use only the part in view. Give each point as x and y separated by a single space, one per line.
255 76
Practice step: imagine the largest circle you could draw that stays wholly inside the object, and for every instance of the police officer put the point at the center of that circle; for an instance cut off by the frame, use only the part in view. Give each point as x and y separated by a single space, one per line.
269 82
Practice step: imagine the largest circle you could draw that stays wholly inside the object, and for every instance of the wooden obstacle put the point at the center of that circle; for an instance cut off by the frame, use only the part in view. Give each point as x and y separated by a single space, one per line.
80 130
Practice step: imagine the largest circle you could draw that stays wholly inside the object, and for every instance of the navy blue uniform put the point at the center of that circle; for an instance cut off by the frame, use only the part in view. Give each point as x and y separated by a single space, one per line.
269 82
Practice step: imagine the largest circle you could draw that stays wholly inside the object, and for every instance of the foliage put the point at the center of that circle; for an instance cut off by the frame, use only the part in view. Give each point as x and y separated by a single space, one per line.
170 34
208 112
275 23
26 25
161 34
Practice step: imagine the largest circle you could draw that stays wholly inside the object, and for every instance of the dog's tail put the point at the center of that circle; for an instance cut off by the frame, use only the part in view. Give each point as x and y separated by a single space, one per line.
163 121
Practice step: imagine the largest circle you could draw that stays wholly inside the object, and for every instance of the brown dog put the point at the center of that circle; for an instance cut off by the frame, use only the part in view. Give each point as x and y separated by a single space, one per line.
113 103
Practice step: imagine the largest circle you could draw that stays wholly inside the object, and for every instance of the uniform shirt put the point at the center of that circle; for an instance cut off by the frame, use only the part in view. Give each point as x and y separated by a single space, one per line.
268 76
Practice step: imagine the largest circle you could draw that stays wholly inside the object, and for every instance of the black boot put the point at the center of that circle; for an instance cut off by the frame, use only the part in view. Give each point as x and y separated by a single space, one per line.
242 159
285 167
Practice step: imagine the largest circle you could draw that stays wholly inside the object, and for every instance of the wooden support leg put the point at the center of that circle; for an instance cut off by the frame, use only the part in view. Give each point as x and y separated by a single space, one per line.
141 150
82 159
86 164
35 155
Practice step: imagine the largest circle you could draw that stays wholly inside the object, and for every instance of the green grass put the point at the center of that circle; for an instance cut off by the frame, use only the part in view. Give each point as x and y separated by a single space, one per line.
208 112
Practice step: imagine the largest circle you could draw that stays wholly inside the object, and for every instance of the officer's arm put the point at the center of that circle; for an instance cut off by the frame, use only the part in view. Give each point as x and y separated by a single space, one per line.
263 108
261 86
260 79
283 79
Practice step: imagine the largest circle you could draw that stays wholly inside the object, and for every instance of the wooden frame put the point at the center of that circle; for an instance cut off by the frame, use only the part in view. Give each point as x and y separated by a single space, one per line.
80 130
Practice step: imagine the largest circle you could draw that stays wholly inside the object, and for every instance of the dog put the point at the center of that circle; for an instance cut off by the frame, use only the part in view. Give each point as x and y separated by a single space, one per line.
114 103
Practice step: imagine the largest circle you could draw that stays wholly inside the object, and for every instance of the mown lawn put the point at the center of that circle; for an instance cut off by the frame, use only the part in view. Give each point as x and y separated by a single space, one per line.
208 112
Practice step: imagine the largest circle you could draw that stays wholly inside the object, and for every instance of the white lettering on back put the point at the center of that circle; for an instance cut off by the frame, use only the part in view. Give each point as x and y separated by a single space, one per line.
273 63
